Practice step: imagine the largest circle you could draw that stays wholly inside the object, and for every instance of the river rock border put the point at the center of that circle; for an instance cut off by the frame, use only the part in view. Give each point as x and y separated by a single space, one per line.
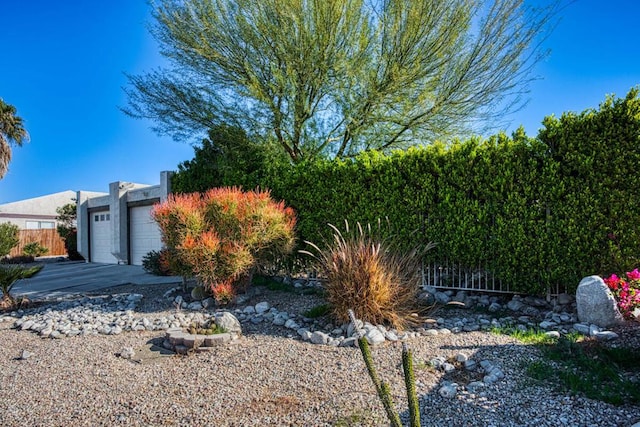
115 314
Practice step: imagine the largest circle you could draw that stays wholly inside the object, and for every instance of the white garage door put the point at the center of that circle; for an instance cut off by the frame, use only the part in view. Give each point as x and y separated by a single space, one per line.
100 237
144 233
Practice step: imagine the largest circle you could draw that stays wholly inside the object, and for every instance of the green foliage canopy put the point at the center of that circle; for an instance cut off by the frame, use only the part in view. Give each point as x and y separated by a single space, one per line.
336 77
228 157
12 132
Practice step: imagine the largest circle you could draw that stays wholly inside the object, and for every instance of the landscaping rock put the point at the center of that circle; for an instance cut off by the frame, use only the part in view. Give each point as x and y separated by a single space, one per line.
349 342
448 367
196 306
582 328
374 336
320 338
262 307
448 391
228 322
291 324
305 334
547 324
426 298
391 336
515 304
461 357
442 297
596 304
475 386
27 325
437 362
605 336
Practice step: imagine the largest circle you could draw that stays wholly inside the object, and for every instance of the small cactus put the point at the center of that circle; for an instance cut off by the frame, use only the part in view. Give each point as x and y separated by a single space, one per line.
382 388
410 383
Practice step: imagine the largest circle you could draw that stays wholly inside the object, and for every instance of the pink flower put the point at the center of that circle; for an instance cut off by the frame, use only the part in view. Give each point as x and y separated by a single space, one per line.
626 291
612 282
634 275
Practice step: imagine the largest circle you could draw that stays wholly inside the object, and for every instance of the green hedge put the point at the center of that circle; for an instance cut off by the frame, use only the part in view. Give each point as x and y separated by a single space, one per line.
537 212
478 200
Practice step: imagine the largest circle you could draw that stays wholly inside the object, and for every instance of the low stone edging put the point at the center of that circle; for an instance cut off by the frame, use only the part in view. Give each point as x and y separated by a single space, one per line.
181 342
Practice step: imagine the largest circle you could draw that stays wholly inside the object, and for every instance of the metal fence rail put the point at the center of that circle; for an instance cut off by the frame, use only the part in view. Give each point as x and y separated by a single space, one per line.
456 277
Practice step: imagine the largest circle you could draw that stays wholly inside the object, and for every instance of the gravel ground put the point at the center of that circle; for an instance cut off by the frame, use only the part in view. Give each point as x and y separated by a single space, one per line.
267 378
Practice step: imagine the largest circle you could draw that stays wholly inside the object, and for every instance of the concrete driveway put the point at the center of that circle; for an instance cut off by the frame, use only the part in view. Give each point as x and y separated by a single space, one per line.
64 279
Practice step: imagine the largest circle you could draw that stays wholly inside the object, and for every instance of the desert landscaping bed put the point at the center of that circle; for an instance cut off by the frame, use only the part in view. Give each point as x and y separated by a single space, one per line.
269 376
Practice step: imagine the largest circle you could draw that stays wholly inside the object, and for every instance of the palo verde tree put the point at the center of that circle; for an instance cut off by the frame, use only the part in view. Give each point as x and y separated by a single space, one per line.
12 132
335 77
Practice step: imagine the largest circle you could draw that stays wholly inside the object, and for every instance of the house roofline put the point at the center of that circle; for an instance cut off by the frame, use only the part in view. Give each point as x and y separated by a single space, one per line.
26 216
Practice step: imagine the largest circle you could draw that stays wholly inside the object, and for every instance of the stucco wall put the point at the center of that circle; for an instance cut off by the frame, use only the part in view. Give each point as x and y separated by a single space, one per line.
122 195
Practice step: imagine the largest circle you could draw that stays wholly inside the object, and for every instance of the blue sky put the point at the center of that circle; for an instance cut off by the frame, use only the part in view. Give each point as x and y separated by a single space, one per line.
63 63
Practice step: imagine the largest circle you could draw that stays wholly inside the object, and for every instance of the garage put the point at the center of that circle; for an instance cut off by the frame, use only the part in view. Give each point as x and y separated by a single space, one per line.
100 237
144 233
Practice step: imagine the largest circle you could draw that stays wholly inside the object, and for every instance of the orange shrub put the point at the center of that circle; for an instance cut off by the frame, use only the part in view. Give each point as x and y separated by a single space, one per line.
221 235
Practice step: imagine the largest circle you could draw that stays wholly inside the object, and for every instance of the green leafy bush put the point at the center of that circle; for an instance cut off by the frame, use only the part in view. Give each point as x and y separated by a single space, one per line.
67 230
368 275
221 235
228 157
157 263
8 237
34 249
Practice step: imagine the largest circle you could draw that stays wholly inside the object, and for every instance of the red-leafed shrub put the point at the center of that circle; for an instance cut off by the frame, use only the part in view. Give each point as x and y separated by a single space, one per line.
221 235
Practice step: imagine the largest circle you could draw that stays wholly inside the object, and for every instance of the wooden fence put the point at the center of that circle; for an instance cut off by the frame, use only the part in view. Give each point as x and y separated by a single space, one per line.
49 238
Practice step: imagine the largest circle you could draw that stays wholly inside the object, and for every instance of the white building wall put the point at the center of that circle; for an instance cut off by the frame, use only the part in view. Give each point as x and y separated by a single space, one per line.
123 199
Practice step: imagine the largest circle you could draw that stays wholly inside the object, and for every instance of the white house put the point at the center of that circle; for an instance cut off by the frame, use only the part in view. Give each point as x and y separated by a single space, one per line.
36 213
116 227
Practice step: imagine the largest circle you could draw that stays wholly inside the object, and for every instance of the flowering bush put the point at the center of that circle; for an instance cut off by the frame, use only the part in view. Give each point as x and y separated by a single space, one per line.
626 291
221 235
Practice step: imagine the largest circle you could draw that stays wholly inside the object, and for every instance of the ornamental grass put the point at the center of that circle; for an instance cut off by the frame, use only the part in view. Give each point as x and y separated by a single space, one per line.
369 275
